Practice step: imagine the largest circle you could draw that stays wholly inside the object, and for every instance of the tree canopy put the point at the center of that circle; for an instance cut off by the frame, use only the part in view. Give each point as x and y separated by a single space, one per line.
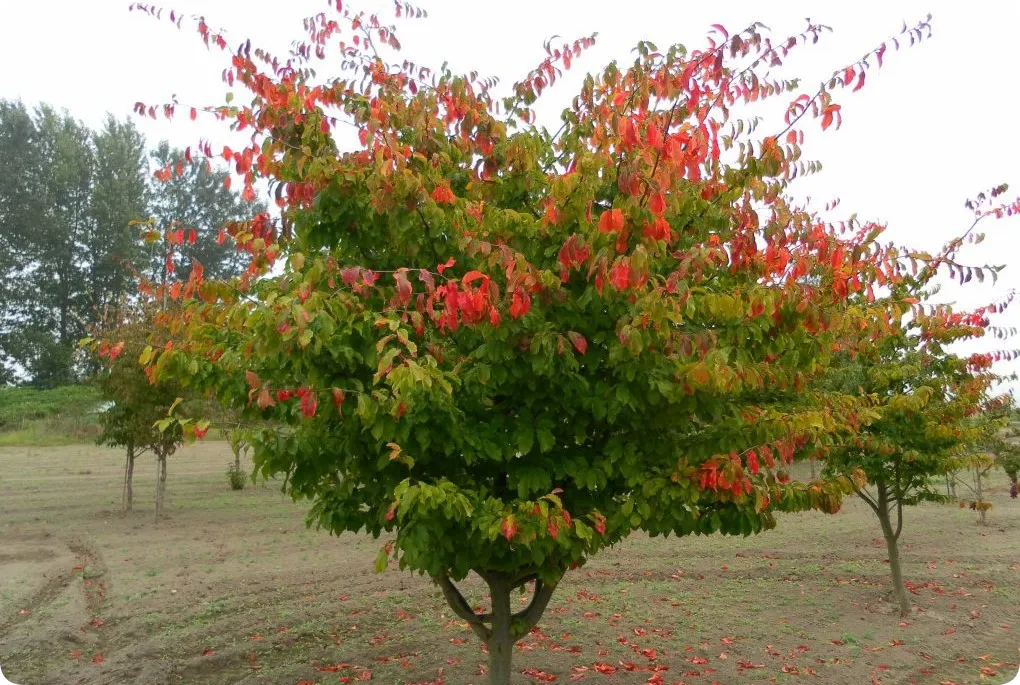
506 348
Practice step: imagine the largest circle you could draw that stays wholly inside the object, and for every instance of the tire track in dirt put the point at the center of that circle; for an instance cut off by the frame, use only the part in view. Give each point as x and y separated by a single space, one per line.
95 588
50 590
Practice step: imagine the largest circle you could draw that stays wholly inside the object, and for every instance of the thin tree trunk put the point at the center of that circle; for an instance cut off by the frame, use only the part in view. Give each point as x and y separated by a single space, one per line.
979 492
892 546
129 472
812 462
123 487
160 482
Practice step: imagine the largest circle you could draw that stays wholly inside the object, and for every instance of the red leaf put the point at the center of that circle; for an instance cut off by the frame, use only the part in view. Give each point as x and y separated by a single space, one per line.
443 267
611 221
658 203
509 527
860 82
443 195
309 404
471 277
520 305
194 114
338 400
578 341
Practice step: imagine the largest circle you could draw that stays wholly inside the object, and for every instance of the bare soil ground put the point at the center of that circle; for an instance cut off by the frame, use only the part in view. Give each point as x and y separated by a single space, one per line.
232 588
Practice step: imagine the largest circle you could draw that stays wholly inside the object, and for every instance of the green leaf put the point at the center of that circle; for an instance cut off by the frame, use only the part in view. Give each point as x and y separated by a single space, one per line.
382 561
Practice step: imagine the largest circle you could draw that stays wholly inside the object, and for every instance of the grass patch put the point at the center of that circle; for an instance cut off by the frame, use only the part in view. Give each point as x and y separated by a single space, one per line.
59 416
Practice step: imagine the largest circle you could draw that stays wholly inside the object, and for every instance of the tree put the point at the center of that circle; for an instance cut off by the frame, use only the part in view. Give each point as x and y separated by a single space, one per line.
118 199
20 205
67 196
509 348
929 398
195 198
137 405
995 448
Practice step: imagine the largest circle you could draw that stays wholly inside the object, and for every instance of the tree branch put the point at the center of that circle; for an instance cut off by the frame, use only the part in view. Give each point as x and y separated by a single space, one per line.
899 519
460 607
866 497
525 620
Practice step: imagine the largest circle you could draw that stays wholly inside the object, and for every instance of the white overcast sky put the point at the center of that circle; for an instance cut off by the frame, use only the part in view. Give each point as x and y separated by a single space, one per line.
936 125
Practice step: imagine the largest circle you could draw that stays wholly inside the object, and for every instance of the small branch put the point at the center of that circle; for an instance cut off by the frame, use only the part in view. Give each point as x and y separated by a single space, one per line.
460 607
899 519
867 498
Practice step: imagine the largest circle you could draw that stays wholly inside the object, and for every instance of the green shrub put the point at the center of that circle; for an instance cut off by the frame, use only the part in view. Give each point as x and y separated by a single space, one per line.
237 476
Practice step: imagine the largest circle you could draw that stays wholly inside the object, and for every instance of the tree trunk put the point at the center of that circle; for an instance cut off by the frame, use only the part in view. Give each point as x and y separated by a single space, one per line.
980 492
501 639
812 462
129 472
892 538
160 482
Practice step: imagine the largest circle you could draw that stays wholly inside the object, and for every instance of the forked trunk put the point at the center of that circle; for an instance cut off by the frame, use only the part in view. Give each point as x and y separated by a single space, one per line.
502 628
892 541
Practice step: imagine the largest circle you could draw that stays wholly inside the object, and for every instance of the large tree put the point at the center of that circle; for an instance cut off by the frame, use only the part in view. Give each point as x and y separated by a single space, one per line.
67 195
509 348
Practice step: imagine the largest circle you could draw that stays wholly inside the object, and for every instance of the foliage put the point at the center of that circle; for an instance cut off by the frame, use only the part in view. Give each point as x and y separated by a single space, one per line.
509 348
139 406
18 405
236 476
194 197
55 416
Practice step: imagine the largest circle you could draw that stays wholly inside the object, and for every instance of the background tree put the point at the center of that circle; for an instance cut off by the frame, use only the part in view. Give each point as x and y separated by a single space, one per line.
66 199
21 202
927 397
118 199
195 196
995 448
547 341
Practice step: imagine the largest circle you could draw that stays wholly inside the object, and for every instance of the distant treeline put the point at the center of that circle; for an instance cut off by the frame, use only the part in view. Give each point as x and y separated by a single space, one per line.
68 248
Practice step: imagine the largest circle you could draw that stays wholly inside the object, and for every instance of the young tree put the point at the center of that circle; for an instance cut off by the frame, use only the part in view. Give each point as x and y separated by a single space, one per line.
510 348
137 405
995 448
928 398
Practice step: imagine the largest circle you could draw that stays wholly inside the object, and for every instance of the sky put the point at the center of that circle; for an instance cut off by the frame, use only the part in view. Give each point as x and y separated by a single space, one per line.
931 128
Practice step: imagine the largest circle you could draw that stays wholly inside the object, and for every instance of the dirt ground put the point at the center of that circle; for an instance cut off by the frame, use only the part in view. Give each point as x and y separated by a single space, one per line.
232 588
